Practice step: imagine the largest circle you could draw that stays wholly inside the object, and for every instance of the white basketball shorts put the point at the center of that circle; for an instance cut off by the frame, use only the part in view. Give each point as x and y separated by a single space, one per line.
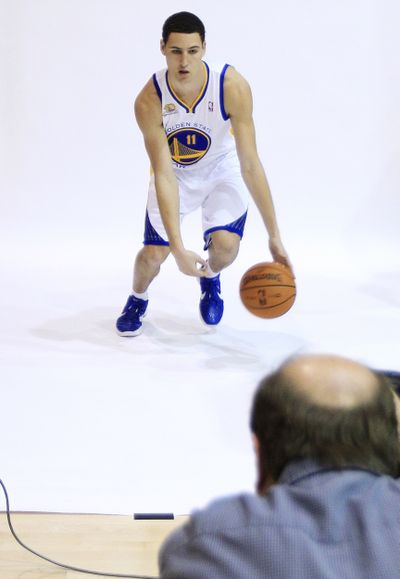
218 189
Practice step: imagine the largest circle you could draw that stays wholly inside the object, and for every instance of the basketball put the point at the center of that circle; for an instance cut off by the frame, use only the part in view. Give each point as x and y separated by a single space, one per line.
268 289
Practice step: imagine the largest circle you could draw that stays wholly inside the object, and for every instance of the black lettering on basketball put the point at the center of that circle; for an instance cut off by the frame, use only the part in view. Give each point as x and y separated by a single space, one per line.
262 298
261 276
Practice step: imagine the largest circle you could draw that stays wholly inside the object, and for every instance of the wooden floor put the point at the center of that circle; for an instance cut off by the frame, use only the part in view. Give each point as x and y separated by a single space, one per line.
108 543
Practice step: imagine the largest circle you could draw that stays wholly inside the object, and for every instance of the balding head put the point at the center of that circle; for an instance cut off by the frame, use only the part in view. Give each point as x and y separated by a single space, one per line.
330 381
329 409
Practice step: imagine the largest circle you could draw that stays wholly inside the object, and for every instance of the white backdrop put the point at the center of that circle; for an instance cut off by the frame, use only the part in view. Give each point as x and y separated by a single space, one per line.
326 87
326 90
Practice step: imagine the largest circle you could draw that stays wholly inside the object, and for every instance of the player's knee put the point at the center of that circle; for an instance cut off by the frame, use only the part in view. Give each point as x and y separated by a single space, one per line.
225 246
153 255
229 252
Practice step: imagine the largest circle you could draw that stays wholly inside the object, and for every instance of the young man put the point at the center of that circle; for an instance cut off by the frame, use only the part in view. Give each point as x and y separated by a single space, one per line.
198 131
326 436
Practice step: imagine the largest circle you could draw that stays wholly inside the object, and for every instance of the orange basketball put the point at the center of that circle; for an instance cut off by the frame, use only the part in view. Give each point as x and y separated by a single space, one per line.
268 289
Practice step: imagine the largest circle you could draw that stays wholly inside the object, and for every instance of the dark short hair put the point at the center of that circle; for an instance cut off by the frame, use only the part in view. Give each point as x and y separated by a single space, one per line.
290 427
185 22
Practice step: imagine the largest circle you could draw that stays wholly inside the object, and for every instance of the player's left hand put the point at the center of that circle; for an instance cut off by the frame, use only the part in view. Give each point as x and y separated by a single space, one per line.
190 263
279 253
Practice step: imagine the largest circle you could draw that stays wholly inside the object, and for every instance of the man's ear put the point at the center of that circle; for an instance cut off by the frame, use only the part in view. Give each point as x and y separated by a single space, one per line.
162 46
264 482
256 444
259 468
397 408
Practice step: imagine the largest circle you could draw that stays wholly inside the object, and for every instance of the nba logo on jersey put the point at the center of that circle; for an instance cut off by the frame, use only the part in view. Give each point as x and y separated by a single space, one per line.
210 106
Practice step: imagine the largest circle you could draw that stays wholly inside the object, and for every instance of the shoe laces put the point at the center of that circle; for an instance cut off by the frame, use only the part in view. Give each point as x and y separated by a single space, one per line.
211 287
135 307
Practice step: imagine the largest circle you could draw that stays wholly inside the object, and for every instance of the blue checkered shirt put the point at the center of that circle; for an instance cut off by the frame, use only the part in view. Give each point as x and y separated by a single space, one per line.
315 523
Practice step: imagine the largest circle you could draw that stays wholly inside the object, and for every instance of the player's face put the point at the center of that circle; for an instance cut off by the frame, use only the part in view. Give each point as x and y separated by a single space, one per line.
184 53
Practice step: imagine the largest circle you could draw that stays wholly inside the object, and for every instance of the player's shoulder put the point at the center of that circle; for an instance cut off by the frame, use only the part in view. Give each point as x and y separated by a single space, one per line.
237 94
148 100
235 81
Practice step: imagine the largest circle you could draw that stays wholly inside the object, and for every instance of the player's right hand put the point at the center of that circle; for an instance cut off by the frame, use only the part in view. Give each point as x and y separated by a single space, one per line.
279 253
190 263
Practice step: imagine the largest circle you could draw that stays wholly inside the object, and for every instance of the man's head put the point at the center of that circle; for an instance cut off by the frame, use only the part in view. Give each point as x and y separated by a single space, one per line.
185 23
183 46
329 409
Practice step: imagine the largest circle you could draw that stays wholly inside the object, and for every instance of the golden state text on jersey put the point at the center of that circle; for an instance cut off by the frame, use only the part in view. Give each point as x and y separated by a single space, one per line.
199 133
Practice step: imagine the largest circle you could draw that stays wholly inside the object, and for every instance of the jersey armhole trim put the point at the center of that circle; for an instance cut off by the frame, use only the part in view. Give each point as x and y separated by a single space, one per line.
225 116
157 86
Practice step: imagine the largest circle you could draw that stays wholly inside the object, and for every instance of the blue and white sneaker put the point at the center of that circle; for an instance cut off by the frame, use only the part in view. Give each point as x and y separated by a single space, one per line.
130 321
211 303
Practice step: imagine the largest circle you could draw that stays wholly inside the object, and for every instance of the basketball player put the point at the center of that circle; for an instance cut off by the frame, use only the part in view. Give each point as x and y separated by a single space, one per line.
198 130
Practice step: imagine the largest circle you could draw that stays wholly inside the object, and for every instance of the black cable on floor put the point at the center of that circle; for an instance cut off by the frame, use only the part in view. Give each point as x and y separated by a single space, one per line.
69 567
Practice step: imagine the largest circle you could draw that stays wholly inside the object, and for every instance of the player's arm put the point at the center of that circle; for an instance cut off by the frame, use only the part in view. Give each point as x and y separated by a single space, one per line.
149 119
239 106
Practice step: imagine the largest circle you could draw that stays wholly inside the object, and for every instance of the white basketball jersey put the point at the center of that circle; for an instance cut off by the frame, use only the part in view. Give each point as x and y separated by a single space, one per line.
198 134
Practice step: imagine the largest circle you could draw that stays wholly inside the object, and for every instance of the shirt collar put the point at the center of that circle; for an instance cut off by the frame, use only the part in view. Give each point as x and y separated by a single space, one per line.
299 469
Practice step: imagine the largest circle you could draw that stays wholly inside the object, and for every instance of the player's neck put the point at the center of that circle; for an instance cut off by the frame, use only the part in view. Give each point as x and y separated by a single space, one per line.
189 89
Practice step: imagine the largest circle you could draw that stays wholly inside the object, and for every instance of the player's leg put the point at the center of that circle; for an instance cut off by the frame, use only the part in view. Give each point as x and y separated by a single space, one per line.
147 265
224 218
223 246
223 249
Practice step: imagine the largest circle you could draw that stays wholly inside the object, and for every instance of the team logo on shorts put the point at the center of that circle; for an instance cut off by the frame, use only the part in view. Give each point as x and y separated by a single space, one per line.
188 146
